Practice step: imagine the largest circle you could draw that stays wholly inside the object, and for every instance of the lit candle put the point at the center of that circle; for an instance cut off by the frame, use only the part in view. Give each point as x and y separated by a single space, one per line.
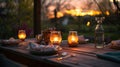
21 35
73 39
55 37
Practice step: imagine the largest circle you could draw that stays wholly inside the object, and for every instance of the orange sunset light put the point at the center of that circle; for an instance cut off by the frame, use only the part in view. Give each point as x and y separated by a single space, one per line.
77 12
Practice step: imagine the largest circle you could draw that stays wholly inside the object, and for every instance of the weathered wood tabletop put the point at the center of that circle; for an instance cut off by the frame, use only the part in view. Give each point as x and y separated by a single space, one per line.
82 56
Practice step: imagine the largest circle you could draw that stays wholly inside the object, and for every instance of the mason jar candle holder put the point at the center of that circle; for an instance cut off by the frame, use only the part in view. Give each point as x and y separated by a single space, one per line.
72 39
55 37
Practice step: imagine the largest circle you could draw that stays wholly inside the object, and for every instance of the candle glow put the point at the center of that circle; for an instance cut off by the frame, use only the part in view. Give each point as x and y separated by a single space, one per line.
72 38
55 37
21 34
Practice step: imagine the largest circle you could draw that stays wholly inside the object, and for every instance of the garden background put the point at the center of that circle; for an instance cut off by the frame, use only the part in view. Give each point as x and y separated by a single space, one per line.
18 14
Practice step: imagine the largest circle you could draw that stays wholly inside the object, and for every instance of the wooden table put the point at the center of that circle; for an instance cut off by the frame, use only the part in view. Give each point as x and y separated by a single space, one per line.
82 56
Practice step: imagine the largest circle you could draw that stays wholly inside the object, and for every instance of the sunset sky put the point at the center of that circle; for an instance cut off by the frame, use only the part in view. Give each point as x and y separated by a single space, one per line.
80 4
79 7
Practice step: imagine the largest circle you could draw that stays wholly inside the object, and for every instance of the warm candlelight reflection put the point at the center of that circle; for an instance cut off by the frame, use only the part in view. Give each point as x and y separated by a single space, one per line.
22 35
73 39
55 37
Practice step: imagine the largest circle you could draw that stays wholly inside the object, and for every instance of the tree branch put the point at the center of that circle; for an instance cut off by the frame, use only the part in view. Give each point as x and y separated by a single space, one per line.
116 4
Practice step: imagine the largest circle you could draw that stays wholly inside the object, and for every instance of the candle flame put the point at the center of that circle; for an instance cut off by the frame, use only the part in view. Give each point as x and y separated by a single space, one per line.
22 36
73 38
56 39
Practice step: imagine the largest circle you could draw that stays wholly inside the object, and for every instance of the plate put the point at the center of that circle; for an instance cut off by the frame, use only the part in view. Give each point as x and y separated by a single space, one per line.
43 51
10 42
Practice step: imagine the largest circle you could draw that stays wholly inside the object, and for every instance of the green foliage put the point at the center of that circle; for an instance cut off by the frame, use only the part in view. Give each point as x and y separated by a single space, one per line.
25 13
16 14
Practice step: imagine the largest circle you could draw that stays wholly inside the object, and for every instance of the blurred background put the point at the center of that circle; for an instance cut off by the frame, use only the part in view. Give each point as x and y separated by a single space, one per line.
64 15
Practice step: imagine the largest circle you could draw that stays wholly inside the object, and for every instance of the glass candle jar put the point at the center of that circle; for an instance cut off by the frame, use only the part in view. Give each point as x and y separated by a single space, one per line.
22 35
72 38
55 37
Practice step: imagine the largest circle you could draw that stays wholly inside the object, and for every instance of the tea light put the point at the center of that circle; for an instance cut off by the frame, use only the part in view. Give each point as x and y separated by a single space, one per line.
21 35
55 37
72 38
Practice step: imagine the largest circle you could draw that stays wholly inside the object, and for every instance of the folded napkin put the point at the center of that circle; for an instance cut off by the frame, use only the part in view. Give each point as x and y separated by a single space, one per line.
115 44
11 41
38 49
82 39
112 56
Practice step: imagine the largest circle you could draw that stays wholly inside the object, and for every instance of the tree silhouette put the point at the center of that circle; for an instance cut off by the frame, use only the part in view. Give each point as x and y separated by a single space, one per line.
116 3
